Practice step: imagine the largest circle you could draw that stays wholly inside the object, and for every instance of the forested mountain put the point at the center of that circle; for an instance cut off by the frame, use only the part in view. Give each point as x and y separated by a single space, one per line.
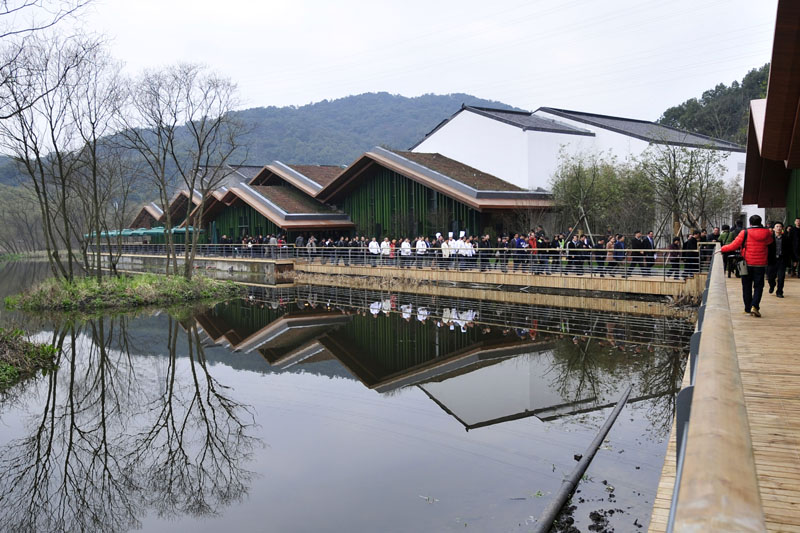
337 131
723 111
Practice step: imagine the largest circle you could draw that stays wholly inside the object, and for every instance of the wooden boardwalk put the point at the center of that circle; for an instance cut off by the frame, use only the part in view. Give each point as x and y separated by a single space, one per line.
768 350
769 361
650 285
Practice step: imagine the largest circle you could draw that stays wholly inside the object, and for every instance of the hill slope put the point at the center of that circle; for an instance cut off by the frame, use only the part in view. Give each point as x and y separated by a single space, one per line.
333 132
336 132
722 112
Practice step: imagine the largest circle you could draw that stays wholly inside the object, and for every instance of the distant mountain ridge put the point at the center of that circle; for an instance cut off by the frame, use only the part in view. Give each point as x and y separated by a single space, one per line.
334 132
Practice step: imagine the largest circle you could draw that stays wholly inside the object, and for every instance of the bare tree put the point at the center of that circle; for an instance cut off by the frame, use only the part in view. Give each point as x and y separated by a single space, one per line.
688 184
21 228
182 126
211 141
19 20
42 137
96 100
110 445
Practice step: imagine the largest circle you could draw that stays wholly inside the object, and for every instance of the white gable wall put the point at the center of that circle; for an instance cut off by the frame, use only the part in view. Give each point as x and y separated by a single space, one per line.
489 145
529 158
544 154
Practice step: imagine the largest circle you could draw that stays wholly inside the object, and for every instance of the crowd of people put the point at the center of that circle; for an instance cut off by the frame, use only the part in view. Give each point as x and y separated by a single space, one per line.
571 251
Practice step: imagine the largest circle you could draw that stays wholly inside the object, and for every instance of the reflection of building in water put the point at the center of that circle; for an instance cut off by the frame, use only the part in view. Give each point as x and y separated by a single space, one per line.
481 362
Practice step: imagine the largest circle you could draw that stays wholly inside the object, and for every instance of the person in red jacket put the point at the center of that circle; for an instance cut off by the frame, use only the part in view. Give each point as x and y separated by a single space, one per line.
754 242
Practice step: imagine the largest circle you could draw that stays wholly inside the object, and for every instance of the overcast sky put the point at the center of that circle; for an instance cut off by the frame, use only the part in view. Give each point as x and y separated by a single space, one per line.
631 58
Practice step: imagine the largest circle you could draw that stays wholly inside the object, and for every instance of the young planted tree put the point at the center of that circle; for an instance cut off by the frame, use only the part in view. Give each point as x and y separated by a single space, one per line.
671 170
585 188
687 183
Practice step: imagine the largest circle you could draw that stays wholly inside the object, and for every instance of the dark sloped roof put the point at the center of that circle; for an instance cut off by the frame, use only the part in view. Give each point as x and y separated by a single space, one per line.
472 177
245 172
646 130
528 121
292 200
520 119
322 174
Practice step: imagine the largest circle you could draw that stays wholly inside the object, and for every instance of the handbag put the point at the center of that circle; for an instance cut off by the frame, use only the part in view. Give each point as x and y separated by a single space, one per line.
741 264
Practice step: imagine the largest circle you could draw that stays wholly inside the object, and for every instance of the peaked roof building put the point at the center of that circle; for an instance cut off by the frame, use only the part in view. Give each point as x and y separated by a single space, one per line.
525 148
651 132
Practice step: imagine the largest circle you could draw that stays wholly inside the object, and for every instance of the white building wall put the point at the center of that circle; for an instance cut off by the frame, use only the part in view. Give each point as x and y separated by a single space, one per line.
489 145
544 154
530 158
625 147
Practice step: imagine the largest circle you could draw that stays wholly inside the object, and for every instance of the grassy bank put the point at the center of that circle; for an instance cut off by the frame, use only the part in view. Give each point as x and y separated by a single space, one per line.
121 293
11 257
20 358
24 256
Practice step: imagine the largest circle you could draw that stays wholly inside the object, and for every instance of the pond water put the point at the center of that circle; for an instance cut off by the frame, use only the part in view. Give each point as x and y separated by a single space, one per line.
327 409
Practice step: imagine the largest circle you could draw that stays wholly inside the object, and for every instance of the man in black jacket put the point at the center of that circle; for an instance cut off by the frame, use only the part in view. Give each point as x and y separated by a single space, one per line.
691 261
637 255
649 242
779 256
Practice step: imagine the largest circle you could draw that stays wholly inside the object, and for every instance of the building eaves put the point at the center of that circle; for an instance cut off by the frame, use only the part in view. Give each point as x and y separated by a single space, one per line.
313 185
154 210
646 130
404 160
291 216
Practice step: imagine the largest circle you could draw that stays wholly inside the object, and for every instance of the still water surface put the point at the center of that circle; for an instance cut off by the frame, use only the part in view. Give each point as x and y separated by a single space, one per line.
325 409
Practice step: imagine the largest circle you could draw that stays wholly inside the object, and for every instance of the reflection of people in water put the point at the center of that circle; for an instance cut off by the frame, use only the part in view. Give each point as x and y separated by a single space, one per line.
422 314
386 306
534 330
406 312
375 308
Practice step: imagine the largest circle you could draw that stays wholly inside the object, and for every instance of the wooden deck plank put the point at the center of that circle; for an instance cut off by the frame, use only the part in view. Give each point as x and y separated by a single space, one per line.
769 360
770 373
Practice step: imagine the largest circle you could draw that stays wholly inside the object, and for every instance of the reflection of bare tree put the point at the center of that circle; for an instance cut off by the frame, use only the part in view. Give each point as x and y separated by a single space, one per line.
662 379
65 475
108 445
195 445
591 367
576 372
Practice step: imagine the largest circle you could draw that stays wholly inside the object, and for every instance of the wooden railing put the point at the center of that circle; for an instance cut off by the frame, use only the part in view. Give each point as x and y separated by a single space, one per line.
717 482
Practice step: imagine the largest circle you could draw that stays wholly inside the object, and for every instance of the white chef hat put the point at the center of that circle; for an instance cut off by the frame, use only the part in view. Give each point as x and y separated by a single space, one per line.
449 234
438 234
461 234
